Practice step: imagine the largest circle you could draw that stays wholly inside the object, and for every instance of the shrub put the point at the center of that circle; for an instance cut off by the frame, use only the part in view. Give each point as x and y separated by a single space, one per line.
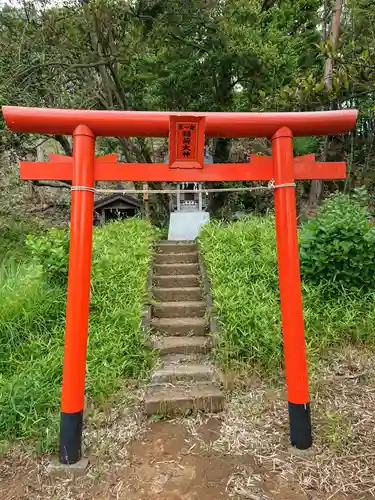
52 252
338 246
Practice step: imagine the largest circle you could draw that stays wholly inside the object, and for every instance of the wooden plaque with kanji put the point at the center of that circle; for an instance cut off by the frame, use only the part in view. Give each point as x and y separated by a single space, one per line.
186 141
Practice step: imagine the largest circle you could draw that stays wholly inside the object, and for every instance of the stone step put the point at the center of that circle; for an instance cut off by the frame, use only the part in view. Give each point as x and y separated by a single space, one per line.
176 258
177 281
176 247
169 400
179 359
184 309
176 269
180 326
177 294
182 345
182 372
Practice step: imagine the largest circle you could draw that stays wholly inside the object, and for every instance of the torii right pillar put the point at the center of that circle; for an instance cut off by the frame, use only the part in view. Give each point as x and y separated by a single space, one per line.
290 290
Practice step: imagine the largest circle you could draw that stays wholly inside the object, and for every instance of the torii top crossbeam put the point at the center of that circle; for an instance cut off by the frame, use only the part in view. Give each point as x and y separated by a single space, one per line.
156 124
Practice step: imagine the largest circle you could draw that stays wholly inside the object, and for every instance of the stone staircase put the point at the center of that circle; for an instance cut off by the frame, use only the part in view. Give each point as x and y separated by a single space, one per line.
184 380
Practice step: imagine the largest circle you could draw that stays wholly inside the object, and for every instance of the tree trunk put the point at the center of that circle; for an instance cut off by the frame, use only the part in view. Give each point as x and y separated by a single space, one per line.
316 189
333 38
64 143
222 150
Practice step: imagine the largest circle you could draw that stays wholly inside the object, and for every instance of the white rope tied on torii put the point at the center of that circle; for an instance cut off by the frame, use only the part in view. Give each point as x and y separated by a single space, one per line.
269 187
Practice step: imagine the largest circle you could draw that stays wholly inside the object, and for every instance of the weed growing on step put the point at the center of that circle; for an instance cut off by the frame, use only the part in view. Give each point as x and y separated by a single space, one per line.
32 319
241 262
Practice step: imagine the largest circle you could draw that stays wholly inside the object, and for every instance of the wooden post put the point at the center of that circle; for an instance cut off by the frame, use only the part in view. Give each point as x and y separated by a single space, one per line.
200 201
146 200
290 290
78 300
178 197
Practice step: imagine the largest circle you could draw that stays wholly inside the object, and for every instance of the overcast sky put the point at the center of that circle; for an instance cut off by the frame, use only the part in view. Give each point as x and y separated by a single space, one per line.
38 3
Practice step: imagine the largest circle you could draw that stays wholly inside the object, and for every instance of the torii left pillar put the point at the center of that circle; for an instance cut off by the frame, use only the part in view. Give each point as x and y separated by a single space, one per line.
78 299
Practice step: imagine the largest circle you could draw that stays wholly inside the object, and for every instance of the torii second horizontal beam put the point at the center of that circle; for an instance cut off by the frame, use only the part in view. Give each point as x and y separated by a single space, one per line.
260 168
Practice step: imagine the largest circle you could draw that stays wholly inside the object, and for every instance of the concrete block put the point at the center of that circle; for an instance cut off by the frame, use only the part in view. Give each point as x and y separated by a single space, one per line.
176 269
176 258
176 247
183 372
180 400
179 309
180 326
182 345
186 225
177 294
56 469
177 281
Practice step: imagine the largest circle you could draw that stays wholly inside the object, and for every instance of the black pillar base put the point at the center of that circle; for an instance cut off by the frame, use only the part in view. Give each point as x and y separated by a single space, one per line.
300 425
71 437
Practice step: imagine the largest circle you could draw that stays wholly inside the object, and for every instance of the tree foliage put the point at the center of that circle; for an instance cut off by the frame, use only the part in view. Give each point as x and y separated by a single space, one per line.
226 55
338 245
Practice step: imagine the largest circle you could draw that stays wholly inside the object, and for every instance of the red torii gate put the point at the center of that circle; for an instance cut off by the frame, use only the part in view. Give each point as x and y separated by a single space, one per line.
186 142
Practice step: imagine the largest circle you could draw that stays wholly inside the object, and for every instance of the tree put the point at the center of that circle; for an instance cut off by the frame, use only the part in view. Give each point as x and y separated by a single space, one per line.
317 185
227 55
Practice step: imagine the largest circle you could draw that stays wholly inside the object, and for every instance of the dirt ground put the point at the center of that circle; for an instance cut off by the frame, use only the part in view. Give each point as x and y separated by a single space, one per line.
242 453
166 463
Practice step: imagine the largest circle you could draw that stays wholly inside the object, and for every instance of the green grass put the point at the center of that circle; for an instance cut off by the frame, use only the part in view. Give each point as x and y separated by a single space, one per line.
12 237
241 262
32 318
